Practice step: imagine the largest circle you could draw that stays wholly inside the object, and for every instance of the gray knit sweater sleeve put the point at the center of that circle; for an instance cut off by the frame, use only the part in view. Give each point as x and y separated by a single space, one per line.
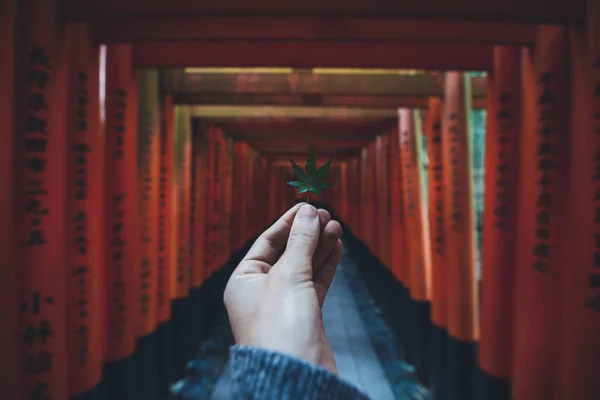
259 374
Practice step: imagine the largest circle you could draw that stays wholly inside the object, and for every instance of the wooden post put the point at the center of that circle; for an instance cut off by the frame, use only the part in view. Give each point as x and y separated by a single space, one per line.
419 257
10 346
578 358
85 212
439 306
542 193
459 250
165 265
502 151
40 199
122 249
148 170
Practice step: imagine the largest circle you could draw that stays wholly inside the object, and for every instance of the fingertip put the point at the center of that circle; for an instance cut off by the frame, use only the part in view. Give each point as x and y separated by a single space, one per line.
334 228
307 212
324 217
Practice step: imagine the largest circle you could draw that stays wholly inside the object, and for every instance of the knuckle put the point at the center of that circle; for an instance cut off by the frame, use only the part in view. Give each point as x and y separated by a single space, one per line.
302 236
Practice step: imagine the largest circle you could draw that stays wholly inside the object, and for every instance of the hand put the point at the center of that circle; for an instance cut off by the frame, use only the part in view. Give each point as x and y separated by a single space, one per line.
274 296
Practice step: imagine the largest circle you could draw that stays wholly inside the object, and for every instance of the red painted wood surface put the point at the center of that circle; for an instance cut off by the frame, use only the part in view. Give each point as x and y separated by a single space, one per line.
122 249
304 54
433 132
40 199
199 163
417 224
579 324
543 176
85 205
502 153
398 231
148 175
166 289
459 250
10 345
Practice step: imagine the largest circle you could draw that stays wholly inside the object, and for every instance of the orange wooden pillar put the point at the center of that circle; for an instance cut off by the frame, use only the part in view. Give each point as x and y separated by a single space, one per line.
85 211
370 222
40 199
417 223
181 276
433 132
401 322
459 249
236 196
579 324
363 225
344 192
382 205
273 182
227 193
244 189
10 345
503 135
122 249
198 210
353 191
208 250
165 268
542 190
397 213
217 203
199 165
148 170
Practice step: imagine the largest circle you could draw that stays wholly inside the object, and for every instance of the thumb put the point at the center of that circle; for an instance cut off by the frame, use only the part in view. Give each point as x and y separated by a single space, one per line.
302 242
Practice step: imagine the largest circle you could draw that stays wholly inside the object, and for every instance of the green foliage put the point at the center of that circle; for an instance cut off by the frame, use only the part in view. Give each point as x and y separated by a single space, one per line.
312 179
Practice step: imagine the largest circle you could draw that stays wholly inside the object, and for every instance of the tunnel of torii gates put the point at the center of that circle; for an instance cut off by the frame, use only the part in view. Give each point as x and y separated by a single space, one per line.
123 211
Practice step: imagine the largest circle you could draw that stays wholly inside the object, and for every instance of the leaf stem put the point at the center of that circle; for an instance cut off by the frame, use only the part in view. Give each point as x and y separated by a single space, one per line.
307 197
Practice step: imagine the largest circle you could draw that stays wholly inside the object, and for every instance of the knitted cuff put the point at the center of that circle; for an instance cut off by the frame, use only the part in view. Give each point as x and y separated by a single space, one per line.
261 374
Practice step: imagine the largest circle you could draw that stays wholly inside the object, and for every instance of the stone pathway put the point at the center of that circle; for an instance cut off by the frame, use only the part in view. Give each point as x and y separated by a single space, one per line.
365 350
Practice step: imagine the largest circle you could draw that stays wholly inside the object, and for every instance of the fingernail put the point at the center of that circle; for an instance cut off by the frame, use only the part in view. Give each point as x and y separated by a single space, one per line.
307 212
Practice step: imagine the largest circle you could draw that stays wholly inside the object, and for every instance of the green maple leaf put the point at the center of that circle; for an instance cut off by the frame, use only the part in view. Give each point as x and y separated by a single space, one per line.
311 179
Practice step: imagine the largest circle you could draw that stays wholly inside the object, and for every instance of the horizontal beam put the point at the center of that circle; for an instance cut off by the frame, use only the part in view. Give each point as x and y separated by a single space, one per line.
182 28
367 91
294 152
303 144
282 160
277 112
293 146
302 129
537 11
304 82
323 100
305 54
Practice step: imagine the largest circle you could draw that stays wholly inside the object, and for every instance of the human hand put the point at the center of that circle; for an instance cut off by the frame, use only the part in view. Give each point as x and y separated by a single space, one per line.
274 296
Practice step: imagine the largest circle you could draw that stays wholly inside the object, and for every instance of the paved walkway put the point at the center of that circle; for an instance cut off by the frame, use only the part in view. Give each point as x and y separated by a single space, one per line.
365 350
355 357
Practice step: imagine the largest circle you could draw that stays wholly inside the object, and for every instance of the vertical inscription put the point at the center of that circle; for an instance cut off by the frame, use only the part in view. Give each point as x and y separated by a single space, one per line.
39 330
545 164
456 134
502 212
162 216
593 299
79 218
438 185
145 210
117 288
217 194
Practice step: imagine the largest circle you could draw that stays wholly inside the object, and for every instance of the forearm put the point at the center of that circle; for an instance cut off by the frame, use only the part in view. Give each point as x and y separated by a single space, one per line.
259 374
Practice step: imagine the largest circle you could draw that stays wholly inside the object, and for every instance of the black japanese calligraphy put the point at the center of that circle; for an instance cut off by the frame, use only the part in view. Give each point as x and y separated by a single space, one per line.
117 288
546 163
593 301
